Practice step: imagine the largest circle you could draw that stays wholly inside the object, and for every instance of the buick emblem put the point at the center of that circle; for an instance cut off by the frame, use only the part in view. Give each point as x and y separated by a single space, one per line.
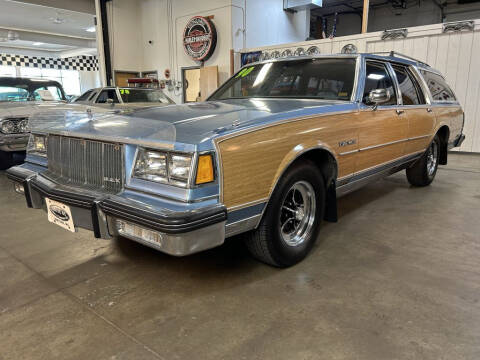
59 213
111 180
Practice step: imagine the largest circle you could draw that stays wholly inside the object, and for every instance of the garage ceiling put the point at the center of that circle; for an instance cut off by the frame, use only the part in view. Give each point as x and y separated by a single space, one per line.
40 28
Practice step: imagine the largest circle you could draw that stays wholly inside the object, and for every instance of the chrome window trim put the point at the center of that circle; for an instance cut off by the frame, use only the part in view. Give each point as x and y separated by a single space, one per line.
389 69
119 96
396 85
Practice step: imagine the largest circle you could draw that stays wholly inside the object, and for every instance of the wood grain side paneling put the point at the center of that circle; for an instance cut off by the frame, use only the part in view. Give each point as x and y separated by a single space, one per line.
451 115
252 162
420 123
379 128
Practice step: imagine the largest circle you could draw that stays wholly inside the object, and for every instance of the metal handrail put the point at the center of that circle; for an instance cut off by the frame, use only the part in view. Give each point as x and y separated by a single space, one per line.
397 54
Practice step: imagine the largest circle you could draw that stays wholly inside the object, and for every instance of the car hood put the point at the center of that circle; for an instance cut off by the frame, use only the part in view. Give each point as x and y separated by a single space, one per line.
25 108
187 123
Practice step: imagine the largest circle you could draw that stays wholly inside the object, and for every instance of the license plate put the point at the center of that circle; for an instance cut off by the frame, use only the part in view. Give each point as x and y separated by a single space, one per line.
60 214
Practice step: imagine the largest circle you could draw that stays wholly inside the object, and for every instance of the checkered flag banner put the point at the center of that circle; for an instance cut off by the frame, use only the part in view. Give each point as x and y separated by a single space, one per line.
84 63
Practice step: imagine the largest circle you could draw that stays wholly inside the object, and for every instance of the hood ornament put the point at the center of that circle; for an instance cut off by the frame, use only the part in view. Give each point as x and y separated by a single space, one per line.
90 114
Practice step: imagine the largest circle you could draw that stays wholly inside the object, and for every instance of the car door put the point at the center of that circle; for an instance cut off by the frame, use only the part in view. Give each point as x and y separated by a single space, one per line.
382 129
421 119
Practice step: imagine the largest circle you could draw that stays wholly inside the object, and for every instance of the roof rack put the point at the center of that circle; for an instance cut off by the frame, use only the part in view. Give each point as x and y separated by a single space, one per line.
397 54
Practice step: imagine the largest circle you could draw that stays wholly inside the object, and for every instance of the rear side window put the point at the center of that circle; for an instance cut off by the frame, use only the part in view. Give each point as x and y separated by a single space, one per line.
411 93
84 96
438 87
377 77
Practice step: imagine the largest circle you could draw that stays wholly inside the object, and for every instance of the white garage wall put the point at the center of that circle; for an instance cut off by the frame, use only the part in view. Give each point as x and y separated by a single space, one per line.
268 24
456 55
132 23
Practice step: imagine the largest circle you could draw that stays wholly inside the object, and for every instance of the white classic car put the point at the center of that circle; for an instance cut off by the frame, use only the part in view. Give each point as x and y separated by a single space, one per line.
19 99
124 97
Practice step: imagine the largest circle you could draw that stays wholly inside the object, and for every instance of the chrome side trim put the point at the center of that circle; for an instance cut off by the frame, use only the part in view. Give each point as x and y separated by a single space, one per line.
382 145
348 152
420 137
385 144
285 121
242 226
250 203
376 172
389 162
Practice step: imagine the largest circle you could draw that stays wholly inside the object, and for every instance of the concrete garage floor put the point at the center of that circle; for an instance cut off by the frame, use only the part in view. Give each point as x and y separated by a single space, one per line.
397 278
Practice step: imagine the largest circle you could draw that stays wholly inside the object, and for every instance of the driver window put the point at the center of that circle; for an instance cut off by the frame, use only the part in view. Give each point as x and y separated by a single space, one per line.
377 77
107 94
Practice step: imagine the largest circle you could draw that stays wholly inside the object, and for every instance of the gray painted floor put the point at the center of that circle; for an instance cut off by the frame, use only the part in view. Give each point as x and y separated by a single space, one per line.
398 277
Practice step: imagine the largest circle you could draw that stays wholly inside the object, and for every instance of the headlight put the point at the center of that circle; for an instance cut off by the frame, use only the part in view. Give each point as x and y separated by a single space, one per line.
163 167
22 126
151 165
13 125
179 169
8 127
37 145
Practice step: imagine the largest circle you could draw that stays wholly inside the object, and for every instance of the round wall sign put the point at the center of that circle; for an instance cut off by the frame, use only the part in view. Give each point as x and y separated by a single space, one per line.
199 38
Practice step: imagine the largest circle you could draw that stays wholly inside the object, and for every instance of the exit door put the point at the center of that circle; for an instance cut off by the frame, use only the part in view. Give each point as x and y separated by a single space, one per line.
191 85
199 83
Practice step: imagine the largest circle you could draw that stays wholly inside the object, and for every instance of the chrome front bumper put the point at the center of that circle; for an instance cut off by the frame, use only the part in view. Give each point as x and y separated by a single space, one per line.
13 142
181 228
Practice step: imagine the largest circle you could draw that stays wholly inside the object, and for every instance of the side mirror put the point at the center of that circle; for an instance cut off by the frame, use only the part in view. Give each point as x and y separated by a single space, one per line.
110 102
378 96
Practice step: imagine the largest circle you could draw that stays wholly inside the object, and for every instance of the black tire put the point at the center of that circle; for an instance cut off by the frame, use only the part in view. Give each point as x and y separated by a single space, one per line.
421 172
6 160
267 243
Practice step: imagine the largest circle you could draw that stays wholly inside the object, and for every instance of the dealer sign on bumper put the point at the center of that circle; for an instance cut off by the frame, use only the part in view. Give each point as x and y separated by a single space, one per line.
60 214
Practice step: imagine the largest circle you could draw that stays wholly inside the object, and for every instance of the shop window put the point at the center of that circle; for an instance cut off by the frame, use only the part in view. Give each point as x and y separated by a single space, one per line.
8 71
70 79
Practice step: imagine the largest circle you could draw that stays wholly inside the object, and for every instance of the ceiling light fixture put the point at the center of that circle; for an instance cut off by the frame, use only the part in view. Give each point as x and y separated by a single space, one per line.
37 43
91 29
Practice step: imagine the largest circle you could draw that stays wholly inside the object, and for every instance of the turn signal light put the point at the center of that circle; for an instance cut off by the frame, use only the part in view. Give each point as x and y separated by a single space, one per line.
204 169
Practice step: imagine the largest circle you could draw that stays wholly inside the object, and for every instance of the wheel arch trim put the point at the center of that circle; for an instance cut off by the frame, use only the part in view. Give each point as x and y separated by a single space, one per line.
295 154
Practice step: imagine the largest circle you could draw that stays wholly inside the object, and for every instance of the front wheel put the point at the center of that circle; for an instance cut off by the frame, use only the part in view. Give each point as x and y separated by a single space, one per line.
292 219
424 170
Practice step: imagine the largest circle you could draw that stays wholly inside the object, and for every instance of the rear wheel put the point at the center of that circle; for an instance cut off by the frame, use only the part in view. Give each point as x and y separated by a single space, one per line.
292 219
424 170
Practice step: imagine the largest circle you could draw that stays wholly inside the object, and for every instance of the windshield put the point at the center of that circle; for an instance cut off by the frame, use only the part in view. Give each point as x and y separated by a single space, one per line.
20 93
330 79
144 95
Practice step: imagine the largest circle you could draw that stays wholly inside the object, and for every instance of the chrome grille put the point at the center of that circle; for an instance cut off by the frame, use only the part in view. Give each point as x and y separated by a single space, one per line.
86 163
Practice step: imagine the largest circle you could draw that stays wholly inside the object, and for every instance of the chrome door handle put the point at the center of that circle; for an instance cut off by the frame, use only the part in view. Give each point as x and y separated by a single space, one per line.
429 110
400 112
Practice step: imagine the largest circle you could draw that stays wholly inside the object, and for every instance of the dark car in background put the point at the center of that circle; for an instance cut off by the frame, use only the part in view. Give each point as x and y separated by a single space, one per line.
19 99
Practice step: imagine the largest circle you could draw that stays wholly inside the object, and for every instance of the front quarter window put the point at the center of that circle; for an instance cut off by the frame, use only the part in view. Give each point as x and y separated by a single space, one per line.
329 79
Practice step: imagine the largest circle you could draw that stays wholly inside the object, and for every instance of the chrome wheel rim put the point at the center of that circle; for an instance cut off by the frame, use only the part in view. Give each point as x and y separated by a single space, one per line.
297 213
432 158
